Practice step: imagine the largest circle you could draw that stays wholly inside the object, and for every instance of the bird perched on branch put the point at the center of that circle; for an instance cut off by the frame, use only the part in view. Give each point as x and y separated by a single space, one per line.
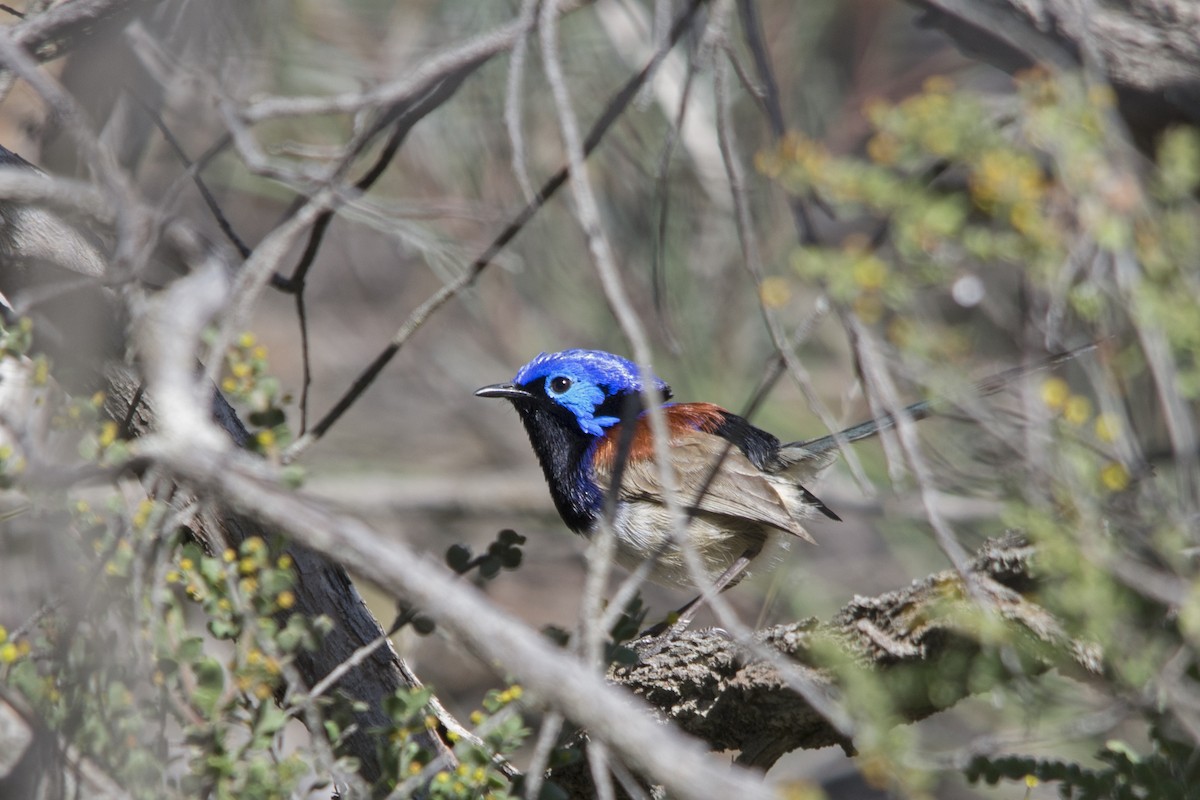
741 488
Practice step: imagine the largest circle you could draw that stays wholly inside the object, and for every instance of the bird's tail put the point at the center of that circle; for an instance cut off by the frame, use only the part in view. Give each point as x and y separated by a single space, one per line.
825 445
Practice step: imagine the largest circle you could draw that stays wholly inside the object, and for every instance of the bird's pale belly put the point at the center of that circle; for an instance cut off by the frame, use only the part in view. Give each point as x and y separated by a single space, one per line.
644 533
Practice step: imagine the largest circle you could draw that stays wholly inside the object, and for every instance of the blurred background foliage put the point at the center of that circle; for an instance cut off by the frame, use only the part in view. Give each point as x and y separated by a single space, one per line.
963 221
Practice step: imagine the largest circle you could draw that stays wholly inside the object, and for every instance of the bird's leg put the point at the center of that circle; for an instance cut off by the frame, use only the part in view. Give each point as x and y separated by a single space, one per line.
683 617
732 574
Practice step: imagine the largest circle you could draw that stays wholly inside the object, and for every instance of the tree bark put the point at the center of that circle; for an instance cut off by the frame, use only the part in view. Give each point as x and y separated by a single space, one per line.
926 644
1149 50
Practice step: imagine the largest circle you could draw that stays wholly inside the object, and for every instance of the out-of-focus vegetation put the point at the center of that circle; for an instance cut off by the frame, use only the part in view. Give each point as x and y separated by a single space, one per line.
953 221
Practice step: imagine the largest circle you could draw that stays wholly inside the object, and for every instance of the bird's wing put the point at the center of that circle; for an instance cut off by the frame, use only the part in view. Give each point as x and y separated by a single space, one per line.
739 489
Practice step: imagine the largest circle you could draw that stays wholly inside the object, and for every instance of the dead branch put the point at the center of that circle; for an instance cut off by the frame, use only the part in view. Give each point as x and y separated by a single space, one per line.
927 643
1147 49
706 685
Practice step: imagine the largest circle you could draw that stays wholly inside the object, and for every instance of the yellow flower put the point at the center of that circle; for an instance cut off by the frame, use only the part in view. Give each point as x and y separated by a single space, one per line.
774 292
246 340
284 562
229 385
870 272
8 653
173 576
1031 781
247 565
1077 410
266 438
229 555
1114 476
108 433
476 717
142 515
286 599
1025 217
883 149
1108 427
262 691
240 370
1055 392
186 563
415 768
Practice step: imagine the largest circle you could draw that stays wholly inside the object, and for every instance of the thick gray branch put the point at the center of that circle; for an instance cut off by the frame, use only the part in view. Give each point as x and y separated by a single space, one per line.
924 642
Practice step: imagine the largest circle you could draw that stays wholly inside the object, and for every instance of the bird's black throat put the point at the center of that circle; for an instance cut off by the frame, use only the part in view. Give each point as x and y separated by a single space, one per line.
562 450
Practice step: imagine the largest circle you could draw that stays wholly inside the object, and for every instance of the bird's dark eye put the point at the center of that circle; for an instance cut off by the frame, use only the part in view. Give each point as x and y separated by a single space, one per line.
560 384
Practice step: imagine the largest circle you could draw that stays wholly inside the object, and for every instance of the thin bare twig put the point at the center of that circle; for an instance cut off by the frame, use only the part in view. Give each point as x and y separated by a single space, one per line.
412 84
512 103
616 106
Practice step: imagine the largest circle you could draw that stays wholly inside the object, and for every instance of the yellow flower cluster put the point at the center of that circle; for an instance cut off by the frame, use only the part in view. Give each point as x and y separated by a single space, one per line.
1006 179
246 362
1076 410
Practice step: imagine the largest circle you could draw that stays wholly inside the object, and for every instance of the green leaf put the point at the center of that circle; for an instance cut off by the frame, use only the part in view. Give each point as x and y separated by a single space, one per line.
190 650
210 683
271 719
224 628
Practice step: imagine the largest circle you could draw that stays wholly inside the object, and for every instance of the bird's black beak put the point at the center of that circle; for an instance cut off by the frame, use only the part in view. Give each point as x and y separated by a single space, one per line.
506 391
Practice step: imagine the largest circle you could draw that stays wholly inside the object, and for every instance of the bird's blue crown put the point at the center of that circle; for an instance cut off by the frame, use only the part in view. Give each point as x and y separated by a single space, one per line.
582 381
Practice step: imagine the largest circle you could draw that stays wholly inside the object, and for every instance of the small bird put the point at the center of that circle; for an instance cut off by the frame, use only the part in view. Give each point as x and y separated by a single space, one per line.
576 406
743 490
